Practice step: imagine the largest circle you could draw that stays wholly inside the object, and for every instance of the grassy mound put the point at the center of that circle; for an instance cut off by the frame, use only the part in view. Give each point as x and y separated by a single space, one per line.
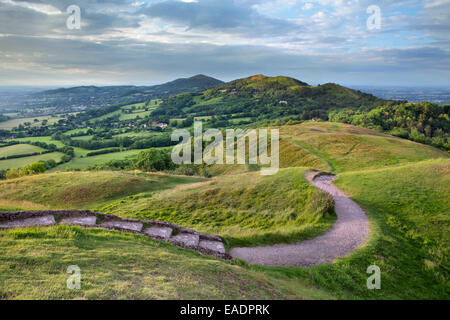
344 147
408 210
118 265
65 190
247 209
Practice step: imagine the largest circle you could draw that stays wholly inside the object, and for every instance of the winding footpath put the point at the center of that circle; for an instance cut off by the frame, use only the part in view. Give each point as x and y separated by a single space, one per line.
348 233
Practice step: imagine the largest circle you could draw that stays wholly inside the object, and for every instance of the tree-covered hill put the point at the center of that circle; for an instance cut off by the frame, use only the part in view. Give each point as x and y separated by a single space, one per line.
262 97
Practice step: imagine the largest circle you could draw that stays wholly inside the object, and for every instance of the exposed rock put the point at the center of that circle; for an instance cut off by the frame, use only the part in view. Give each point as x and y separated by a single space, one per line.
29 222
216 246
133 226
159 232
186 240
82 221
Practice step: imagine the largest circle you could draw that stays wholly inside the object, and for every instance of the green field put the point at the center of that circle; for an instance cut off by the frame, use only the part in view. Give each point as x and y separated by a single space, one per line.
22 162
138 112
136 134
86 162
47 140
8 125
19 149
84 138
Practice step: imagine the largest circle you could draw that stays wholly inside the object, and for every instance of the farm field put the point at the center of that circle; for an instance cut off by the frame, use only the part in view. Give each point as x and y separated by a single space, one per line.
9 124
19 149
86 162
47 140
22 162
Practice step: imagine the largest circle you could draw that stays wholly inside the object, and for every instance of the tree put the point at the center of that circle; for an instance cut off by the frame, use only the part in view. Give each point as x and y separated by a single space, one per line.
154 160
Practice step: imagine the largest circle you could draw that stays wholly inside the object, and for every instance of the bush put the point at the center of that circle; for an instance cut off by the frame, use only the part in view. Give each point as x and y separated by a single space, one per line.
34 168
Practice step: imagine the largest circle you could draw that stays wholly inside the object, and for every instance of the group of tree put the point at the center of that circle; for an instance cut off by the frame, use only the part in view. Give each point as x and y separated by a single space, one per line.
154 160
137 142
422 122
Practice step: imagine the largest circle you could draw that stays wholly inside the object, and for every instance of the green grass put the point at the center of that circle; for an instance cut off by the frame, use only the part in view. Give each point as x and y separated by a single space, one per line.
137 134
65 190
19 149
346 148
8 125
117 265
76 131
134 115
86 162
247 209
83 138
80 152
22 162
407 205
409 212
47 140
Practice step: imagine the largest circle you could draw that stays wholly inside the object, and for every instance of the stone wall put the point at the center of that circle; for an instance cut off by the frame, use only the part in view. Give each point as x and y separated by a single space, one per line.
158 230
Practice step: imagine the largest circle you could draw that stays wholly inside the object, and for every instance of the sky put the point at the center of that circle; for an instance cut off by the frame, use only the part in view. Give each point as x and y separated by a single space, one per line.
153 41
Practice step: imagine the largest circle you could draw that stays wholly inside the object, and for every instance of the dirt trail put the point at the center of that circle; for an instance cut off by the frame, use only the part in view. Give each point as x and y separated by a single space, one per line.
349 232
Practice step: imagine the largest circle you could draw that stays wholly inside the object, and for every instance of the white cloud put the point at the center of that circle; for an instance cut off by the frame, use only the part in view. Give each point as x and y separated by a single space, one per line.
39 7
308 6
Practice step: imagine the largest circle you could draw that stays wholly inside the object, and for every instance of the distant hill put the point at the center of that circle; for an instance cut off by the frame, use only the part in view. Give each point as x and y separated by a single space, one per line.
268 98
103 96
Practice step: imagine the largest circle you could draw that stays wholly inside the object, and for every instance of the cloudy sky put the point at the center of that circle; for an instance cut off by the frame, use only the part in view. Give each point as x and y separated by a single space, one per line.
153 41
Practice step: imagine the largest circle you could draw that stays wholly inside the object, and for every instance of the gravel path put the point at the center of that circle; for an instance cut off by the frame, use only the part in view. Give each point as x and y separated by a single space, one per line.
349 232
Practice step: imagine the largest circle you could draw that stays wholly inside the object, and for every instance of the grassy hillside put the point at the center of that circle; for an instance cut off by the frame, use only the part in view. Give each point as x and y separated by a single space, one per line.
408 209
65 190
118 265
247 209
345 147
403 186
